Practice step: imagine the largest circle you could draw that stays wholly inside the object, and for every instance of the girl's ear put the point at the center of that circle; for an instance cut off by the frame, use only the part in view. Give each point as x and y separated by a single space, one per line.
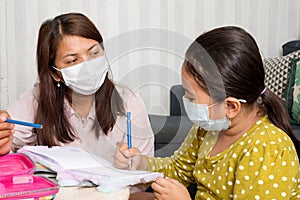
233 107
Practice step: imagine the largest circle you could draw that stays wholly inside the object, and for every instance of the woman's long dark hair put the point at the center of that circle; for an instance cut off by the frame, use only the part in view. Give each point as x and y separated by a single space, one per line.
51 109
232 54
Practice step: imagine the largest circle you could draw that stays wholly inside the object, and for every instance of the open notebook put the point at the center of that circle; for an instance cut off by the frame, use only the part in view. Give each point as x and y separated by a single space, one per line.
75 166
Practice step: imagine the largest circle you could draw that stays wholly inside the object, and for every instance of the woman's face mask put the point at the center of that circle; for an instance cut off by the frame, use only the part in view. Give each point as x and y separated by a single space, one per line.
199 114
86 77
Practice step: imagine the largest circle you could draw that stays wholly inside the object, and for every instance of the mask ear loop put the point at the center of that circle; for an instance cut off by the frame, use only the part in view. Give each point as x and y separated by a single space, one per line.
208 107
242 100
56 68
60 81
212 105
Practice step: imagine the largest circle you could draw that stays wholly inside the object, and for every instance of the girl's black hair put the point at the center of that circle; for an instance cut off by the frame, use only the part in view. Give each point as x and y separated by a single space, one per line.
226 62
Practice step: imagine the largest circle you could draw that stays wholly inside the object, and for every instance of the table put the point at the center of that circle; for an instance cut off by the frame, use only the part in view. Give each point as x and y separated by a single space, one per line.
90 193
82 193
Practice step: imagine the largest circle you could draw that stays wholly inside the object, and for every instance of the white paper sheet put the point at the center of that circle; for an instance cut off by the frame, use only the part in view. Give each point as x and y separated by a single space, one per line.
66 157
74 166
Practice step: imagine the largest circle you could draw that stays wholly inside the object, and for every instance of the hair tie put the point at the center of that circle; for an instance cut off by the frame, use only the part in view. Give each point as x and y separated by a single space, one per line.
263 91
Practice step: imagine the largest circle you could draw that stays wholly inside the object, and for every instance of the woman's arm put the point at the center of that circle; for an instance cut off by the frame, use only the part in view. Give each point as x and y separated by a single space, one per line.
23 109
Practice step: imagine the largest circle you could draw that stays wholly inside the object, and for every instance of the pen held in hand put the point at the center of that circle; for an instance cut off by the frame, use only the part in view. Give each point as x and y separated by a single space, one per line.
129 139
24 123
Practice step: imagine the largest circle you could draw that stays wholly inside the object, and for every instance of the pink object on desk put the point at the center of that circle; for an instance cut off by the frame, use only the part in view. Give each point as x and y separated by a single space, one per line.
18 182
2 189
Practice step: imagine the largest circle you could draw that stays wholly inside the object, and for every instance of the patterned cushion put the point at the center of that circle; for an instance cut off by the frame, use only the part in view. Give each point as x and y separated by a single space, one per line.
292 93
277 71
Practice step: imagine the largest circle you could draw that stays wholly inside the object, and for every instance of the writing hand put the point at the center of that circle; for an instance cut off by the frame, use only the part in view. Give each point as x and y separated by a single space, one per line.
123 156
6 132
164 190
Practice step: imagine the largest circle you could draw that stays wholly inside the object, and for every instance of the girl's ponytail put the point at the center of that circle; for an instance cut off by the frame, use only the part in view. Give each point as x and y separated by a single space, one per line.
277 113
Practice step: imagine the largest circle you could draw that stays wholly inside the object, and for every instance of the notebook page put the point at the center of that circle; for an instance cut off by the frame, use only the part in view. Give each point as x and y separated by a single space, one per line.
105 171
76 166
66 157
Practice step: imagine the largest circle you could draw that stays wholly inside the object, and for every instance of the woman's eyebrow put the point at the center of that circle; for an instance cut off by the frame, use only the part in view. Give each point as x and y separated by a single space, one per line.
71 54
74 54
92 47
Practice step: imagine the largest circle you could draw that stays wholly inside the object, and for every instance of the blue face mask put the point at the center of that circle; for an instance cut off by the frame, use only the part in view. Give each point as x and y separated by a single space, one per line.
198 113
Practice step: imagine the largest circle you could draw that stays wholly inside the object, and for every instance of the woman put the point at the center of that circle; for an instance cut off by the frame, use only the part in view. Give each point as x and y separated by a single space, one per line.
6 133
75 100
241 144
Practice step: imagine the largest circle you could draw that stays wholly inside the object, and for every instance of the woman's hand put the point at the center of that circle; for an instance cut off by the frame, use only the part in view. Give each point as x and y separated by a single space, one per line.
169 189
123 157
6 132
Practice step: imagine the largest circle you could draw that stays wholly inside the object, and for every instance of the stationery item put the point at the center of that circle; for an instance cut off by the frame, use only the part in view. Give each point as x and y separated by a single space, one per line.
18 182
41 170
129 139
75 166
24 123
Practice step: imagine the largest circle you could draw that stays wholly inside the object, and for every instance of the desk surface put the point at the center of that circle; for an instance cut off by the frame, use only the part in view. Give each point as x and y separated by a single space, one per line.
91 193
83 193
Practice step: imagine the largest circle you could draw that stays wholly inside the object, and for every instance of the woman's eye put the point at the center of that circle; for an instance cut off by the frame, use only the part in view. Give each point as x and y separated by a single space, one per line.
72 61
94 53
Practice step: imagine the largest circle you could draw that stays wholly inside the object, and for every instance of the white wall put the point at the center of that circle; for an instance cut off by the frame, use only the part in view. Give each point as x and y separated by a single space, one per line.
145 40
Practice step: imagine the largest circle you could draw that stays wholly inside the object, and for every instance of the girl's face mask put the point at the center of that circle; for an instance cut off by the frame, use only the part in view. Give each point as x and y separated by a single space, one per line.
199 114
86 77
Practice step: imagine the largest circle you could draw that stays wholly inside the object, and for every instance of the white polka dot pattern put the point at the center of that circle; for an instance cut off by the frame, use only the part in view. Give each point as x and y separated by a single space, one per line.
263 164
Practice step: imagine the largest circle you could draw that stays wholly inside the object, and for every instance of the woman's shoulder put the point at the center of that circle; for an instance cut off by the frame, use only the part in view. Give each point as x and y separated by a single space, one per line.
26 101
122 89
128 96
30 93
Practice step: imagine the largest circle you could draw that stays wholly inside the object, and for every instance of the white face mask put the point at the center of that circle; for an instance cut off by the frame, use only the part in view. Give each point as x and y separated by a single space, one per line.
199 114
86 77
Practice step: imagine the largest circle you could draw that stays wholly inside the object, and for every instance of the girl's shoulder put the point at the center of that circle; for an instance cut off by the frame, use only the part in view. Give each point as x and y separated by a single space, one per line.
265 135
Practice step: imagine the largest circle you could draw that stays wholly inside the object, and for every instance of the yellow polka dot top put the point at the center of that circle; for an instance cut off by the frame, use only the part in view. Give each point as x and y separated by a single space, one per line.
262 164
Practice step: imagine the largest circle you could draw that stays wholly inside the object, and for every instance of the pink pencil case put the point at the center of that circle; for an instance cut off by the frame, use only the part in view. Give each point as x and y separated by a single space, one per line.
18 182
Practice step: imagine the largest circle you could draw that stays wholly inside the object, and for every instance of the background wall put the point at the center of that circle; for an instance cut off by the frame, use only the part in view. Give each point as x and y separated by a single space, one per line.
145 40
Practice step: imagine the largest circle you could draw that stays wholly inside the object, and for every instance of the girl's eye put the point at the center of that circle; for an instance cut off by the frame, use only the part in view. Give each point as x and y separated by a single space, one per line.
190 99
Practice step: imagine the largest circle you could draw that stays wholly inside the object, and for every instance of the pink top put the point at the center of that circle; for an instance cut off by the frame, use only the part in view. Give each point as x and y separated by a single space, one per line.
142 136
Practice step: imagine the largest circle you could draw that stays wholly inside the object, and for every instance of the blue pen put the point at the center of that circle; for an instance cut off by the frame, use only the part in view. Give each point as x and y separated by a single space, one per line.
24 123
129 141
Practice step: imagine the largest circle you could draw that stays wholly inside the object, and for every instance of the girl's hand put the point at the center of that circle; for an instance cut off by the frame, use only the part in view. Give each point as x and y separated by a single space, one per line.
169 189
124 156
6 132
